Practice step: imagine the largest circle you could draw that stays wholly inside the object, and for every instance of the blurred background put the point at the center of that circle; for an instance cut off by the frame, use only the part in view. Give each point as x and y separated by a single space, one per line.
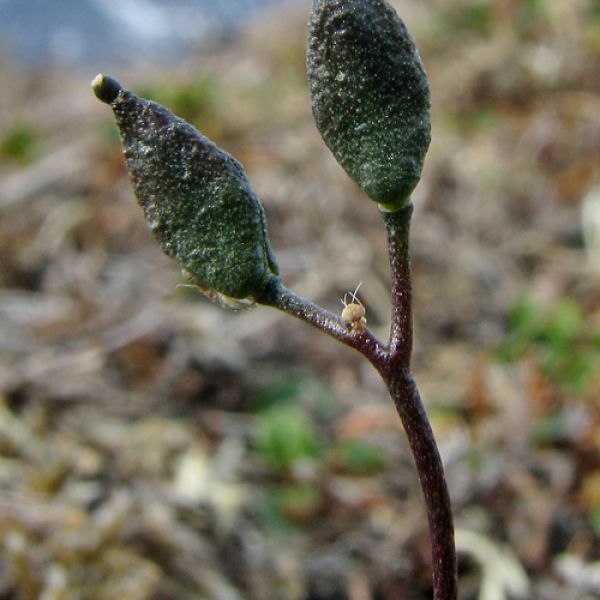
154 446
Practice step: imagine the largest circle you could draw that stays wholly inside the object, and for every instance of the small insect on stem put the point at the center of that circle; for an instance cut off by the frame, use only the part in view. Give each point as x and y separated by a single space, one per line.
354 312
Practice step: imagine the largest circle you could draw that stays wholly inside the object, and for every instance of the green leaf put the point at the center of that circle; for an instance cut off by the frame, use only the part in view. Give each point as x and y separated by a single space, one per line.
370 96
196 198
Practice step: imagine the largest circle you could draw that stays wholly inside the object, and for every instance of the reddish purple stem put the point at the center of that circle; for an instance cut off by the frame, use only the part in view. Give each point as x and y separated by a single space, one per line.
393 364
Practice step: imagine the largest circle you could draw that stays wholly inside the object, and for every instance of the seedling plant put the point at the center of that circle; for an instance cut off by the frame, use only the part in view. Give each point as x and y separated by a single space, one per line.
370 100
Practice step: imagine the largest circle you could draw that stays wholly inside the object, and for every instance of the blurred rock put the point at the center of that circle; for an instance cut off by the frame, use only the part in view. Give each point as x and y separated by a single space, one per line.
109 32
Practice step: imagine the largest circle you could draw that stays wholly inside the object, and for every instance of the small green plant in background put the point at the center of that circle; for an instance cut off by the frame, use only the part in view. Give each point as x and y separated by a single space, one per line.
288 443
286 436
20 144
472 16
358 457
292 435
594 517
193 101
558 337
293 389
370 100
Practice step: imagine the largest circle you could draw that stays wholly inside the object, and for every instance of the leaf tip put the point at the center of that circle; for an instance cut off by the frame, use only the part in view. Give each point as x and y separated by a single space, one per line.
106 88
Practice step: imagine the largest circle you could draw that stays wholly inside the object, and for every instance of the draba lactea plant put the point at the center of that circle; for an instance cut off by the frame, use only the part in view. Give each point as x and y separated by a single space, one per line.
370 100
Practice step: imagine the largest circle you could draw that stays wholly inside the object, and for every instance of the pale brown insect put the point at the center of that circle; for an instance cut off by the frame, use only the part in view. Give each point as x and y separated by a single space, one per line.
354 312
